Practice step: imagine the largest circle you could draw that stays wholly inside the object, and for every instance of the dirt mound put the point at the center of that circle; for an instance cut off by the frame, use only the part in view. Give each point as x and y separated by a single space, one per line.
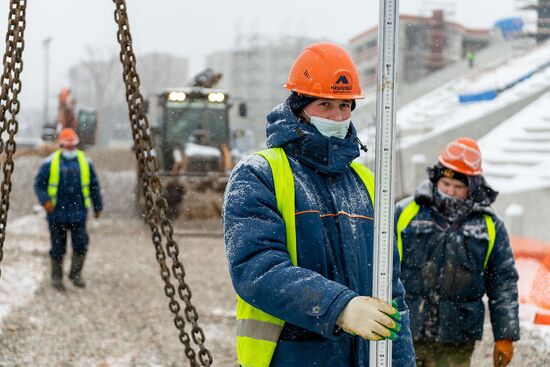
202 205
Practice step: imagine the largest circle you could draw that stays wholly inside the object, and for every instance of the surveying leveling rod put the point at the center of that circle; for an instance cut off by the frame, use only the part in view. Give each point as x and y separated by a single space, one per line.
380 352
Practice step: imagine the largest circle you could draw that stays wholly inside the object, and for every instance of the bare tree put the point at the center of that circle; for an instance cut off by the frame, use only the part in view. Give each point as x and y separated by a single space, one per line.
97 82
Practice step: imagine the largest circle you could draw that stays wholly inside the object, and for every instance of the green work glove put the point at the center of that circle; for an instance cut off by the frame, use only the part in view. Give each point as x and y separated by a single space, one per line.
396 316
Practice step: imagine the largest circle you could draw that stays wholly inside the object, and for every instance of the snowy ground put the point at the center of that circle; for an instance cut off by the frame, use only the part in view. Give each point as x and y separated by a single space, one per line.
122 317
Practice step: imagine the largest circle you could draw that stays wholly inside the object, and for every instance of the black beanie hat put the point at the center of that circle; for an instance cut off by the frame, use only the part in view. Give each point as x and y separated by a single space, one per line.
439 170
298 102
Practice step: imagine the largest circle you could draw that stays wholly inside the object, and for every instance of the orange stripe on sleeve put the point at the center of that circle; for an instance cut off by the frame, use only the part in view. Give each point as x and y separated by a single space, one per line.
355 215
334 214
308 211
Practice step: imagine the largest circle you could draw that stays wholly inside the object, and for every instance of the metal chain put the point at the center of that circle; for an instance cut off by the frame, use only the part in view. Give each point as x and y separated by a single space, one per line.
11 87
161 226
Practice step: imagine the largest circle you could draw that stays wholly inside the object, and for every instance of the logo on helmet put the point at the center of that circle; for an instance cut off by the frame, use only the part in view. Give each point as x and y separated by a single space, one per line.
342 84
342 79
448 173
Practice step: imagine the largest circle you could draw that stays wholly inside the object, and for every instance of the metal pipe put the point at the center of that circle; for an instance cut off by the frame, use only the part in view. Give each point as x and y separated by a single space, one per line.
46 44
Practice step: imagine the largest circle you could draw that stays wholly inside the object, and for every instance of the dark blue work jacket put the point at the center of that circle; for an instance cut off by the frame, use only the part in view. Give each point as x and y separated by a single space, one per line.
334 228
444 275
70 201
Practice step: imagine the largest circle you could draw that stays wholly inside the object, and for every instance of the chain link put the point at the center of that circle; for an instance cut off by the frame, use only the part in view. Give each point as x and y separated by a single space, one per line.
156 205
9 103
151 186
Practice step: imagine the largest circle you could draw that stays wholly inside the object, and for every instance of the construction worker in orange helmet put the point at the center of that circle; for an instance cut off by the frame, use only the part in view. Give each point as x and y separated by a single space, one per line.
66 185
298 222
454 250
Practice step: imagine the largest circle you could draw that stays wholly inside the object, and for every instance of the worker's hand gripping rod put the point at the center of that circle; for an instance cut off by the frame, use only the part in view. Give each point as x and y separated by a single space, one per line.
380 352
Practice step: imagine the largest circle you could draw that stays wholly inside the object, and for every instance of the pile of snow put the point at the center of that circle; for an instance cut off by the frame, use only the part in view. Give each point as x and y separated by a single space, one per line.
29 224
18 284
22 275
196 150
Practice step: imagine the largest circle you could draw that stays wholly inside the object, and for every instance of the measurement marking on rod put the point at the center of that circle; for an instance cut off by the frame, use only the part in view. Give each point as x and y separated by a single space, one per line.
380 352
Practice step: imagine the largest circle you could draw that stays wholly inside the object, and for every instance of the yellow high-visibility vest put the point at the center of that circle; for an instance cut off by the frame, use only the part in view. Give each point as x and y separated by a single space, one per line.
410 211
53 180
258 332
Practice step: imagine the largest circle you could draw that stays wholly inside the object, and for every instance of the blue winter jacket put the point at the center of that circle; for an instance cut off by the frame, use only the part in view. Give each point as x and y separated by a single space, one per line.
334 228
70 201
443 272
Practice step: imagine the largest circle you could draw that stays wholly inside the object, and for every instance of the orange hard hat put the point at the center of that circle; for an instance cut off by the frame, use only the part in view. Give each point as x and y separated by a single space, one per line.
68 137
325 70
64 94
462 155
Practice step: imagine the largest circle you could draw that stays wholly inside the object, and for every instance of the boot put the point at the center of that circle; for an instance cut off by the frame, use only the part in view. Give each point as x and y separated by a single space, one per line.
76 270
57 274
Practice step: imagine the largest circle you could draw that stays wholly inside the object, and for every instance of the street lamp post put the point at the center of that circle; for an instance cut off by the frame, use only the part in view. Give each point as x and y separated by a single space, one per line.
46 44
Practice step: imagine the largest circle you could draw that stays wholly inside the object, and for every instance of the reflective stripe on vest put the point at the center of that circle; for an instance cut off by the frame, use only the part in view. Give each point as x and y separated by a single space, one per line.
492 235
257 331
402 222
410 211
53 180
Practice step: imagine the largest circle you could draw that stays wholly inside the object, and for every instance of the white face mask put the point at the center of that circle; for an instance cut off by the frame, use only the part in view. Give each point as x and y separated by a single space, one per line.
328 128
69 154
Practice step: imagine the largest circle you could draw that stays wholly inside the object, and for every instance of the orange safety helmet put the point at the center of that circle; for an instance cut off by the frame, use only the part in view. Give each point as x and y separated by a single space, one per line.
64 94
325 70
462 155
68 137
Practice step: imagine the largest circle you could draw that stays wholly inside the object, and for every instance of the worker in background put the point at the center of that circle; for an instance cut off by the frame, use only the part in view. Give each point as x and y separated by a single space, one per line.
66 186
470 58
298 223
66 117
454 249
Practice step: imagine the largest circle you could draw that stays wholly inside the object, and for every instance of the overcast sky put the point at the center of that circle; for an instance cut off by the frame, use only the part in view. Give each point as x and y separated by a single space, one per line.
195 28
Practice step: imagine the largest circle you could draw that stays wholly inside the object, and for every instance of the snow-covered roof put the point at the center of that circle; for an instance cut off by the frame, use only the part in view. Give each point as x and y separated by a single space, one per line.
516 154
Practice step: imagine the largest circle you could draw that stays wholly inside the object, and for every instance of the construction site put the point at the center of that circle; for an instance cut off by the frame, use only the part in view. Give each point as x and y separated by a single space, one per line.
158 291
